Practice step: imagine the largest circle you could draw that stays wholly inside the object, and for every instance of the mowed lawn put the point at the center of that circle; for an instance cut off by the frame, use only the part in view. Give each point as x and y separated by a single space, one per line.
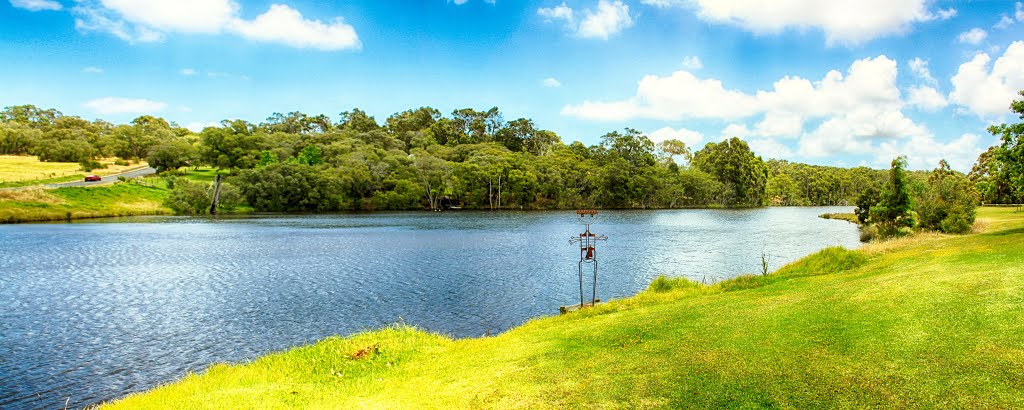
17 170
929 321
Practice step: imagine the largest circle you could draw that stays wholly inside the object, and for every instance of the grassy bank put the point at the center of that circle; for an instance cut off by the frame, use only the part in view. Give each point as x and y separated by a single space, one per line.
928 321
848 217
122 199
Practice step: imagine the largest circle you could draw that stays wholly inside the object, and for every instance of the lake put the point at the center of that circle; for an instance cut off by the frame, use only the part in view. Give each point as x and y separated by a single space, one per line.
92 311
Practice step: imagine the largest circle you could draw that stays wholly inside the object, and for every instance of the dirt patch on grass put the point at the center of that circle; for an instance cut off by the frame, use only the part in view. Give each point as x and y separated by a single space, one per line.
30 195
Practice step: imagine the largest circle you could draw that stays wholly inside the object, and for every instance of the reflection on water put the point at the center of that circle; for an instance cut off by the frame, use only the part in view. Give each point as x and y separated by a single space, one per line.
92 311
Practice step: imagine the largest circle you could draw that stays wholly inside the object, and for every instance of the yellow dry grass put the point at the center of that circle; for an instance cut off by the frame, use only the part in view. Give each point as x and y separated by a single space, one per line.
15 168
30 195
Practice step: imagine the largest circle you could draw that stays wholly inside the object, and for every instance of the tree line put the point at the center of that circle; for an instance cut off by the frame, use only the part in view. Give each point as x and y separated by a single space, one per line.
422 159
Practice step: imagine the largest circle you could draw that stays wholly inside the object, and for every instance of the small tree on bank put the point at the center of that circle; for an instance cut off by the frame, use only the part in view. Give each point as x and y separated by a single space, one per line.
893 214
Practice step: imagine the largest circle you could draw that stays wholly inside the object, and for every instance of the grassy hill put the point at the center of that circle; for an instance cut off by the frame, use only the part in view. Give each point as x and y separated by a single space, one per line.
930 321
121 199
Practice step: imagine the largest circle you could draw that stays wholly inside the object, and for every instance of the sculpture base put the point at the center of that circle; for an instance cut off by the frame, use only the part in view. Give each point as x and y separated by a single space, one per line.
572 308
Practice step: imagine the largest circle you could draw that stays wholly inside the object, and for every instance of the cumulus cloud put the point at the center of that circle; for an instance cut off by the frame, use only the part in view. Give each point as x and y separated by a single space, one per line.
551 82
920 69
283 24
36 5
924 152
682 95
988 89
150 20
736 130
859 111
608 19
769 148
842 21
1004 22
692 63
689 137
973 36
118 105
197 126
678 96
926 98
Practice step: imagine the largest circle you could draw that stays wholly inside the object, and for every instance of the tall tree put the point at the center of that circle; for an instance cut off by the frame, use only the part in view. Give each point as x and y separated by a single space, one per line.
1011 152
743 174
357 120
894 211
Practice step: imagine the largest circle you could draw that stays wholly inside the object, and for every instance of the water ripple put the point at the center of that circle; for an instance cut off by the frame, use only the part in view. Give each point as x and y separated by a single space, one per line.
93 311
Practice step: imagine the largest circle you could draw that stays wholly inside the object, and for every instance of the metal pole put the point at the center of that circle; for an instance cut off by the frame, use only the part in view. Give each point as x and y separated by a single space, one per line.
581 283
593 301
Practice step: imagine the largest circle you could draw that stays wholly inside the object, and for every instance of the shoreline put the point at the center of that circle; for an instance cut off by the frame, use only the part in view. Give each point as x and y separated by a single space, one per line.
402 366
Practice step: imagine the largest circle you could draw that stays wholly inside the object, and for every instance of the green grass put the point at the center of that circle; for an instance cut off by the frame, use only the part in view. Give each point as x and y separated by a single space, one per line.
56 180
852 218
121 199
926 321
202 174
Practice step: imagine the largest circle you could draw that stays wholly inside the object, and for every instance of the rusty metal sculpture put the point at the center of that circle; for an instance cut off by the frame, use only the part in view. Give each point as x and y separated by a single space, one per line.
588 249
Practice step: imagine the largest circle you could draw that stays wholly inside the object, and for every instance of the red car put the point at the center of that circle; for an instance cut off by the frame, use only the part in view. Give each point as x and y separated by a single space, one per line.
92 178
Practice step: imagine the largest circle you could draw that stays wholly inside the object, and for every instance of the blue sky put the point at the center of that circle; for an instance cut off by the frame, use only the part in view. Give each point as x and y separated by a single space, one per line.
845 82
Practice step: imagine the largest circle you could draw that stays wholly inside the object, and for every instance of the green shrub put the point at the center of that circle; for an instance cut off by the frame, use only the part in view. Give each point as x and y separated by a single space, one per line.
663 284
189 198
827 261
949 203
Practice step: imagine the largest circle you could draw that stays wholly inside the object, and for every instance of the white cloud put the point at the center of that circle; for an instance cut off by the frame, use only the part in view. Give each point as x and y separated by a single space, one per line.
283 24
769 148
183 16
36 5
610 18
988 90
197 126
945 14
924 152
1019 14
551 82
1004 22
188 71
678 96
870 82
854 132
98 19
926 98
973 36
736 130
852 113
117 105
920 68
562 12
92 70
842 21
692 63
689 137
150 20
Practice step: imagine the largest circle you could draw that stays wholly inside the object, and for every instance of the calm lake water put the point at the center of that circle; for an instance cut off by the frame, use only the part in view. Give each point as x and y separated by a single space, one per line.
93 311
